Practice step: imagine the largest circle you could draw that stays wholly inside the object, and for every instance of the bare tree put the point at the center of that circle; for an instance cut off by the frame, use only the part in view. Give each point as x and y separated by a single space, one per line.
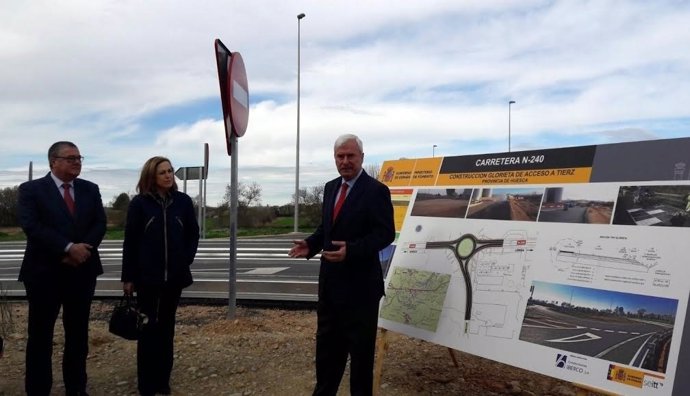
248 195
314 195
312 200
8 206
249 213
373 170
302 196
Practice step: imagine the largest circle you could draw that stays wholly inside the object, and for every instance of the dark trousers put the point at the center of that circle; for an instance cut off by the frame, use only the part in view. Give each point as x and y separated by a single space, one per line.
344 330
73 292
155 345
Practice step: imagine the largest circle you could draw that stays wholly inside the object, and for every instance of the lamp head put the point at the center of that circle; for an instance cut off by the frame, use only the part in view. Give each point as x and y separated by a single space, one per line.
511 102
300 16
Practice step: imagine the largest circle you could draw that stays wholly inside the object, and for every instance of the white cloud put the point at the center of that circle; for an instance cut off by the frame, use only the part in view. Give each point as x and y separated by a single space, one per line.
119 79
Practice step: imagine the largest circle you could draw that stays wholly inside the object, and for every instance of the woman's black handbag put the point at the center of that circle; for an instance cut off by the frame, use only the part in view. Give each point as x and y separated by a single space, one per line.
126 320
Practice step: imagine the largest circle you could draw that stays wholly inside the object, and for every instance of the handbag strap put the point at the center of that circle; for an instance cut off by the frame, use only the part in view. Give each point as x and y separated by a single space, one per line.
127 300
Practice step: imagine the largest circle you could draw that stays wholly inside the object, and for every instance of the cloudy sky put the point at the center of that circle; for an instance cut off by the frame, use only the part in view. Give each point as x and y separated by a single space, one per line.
127 80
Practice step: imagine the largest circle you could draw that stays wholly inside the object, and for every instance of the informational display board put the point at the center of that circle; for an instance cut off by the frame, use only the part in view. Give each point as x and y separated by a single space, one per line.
571 262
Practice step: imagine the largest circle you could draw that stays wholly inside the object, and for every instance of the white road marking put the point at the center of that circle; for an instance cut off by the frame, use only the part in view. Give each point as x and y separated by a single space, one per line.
577 338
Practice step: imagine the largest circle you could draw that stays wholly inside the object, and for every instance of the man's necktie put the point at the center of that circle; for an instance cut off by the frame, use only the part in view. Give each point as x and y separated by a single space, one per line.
68 198
341 199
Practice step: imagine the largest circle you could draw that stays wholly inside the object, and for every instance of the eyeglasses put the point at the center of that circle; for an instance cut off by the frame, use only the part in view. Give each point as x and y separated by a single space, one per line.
72 158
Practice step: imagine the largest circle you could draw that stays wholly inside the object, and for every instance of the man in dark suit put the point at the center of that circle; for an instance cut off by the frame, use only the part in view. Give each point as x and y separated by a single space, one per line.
357 222
64 222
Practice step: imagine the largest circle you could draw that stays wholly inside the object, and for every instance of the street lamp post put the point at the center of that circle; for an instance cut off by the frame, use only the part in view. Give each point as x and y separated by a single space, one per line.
299 18
433 150
509 103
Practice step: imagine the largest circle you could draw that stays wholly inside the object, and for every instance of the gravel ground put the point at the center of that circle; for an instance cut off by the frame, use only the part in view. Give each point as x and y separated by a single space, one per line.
266 351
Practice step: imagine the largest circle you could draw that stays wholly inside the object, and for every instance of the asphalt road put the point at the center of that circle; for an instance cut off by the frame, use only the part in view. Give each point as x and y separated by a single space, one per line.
576 214
496 210
264 270
634 343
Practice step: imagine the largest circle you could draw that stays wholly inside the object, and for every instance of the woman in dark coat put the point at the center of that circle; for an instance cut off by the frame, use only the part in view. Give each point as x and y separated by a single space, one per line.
161 239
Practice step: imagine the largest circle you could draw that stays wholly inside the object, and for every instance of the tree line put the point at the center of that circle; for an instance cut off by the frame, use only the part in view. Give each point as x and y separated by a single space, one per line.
250 211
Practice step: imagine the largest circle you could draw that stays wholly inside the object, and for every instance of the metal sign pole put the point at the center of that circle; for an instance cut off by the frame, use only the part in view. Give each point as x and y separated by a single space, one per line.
200 202
234 95
203 217
205 176
232 270
184 180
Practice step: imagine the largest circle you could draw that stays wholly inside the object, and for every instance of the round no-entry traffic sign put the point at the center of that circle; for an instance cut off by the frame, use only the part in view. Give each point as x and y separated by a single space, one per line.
238 94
